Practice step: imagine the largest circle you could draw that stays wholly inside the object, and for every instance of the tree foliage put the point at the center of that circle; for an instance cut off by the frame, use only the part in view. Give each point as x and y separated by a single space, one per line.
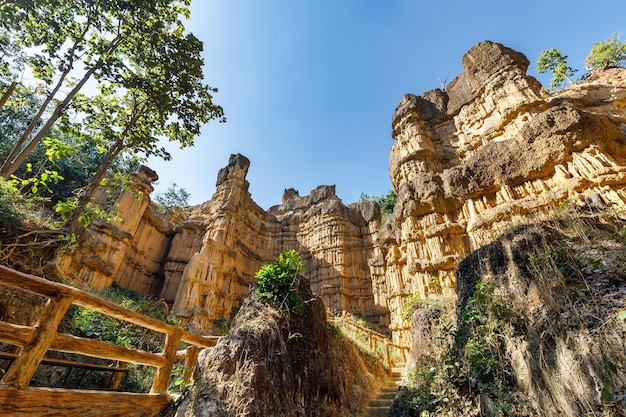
386 202
12 205
172 199
610 53
552 60
277 282
147 69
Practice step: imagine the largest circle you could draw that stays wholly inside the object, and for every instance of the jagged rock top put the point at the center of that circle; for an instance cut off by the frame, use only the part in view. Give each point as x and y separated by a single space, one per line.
482 62
237 165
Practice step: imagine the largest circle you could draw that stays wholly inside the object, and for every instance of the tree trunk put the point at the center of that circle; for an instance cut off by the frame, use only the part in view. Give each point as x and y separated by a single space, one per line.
85 198
112 153
24 137
7 94
17 156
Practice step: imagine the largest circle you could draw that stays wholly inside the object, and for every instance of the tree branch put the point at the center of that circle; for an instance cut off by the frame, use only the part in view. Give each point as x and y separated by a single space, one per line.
10 166
7 166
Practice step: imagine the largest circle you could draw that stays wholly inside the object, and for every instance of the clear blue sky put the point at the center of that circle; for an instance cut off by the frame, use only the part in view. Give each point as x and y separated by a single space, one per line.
309 87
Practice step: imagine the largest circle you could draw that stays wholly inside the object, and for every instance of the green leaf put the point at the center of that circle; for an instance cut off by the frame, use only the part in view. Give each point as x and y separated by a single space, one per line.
612 367
607 391
622 315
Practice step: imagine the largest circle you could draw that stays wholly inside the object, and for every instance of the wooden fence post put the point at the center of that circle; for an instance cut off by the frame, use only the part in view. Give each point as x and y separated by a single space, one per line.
191 358
389 361
30 355
163 373
116 379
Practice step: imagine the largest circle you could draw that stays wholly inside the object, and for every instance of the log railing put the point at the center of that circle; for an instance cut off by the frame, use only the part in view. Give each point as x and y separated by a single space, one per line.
35 341
374 340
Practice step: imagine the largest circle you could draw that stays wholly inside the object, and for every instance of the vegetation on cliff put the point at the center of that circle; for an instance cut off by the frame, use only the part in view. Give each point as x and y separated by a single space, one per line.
278 282
536 327
609 53
149 85
276 362
386 202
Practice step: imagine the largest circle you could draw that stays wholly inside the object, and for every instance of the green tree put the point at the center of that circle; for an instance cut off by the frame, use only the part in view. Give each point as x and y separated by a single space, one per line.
386 203
552 60
125 47
62 163
277 282
610 53
175 197
165 99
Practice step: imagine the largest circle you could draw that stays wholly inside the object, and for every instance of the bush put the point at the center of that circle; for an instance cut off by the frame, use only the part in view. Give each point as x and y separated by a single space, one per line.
12 205
610 53
385 202
277 282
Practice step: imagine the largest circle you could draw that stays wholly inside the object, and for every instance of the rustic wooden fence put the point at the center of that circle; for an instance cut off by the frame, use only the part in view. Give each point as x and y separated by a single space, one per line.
33 343
375 341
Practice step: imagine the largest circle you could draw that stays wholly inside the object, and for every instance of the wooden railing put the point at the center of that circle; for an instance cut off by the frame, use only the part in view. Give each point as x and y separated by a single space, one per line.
374 340
35 341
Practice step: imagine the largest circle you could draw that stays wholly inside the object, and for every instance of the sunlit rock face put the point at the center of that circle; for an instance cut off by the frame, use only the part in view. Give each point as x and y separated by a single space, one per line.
129 249
491 148
215 254
467 163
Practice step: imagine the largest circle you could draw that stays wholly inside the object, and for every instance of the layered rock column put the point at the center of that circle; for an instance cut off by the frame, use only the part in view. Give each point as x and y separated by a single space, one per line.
469 162
491 148
214 272
127 250
220 273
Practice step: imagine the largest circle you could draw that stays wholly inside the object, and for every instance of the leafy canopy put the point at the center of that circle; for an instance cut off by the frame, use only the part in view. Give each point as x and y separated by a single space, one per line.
147 69
386 202
277 282
610 53
552 60
172 200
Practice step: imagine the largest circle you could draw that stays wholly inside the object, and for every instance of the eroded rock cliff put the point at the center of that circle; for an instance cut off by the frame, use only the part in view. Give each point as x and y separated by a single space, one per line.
127 250
215 255
467 164
494 147
205 265
277 363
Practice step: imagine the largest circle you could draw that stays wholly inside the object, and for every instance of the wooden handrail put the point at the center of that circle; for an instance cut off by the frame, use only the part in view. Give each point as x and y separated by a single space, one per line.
117 372
35 341
373 338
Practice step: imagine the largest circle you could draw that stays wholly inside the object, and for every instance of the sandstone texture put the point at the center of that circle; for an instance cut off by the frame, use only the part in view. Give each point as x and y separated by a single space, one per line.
467 163
128 250
276 363
230 237
491 148
204 265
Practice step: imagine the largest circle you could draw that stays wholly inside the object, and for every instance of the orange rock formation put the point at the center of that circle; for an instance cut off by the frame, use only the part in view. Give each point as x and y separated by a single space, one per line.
493 146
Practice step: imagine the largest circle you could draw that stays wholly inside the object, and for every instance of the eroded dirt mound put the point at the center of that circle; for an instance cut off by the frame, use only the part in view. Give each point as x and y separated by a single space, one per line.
275 363
560 286
536 329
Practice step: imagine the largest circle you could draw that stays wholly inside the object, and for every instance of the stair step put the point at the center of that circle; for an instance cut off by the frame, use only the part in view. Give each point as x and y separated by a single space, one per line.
378 402
377 411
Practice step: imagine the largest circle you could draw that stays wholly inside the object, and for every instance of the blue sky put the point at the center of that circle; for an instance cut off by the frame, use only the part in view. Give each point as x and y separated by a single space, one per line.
309 87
